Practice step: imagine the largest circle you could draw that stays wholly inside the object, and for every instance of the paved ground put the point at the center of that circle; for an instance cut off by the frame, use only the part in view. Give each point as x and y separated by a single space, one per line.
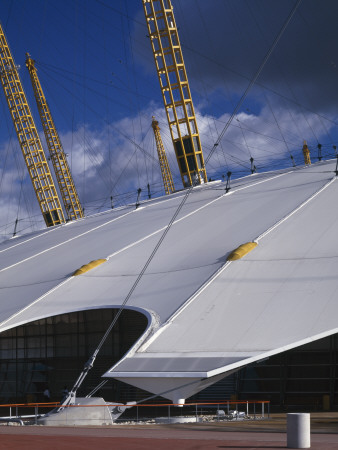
268 434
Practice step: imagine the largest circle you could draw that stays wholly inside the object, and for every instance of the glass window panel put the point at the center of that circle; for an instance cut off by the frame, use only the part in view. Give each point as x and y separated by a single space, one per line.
6 343
54 358
21 353
7 353
313 385
34 353
34 342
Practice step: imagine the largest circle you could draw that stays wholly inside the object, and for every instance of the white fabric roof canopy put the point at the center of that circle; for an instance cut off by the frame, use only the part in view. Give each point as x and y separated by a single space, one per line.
206 317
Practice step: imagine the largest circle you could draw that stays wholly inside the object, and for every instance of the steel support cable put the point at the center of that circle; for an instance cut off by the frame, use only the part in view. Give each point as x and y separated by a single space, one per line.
246 127
137 100
18 167
62 72
9 13
252 82
281 70
144 269
231 102
244 138
321 51
287 131
277 123
253 131
19 202
90 362
9 144
83 29
206 31
52 68
113 127
150 397
201 80
131 98
107 107
302 108
117 130
125 167
227 68
262 86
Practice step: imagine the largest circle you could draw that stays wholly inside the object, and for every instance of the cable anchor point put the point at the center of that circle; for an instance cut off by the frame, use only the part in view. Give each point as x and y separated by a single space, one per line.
139 190
227 186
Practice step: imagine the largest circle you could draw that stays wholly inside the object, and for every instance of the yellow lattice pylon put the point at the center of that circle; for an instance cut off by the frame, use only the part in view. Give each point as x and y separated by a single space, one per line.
175 90
28 137
70 198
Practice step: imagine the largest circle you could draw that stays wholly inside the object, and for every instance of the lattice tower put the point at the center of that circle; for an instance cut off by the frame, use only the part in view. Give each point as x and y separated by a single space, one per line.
58 157
168 183
175 89
29 140
306 154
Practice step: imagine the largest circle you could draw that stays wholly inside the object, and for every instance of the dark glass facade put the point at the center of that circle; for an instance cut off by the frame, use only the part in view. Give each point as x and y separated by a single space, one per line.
306 377
302 379
52 352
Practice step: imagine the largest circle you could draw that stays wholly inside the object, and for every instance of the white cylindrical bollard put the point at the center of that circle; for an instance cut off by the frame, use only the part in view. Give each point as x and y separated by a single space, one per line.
180 402
298 430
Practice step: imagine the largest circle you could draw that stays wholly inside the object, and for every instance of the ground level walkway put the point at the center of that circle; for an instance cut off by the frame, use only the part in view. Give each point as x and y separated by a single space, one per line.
267 434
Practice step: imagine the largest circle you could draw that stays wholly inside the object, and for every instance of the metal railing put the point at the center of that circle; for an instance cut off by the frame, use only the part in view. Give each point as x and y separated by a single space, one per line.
198 412
222 411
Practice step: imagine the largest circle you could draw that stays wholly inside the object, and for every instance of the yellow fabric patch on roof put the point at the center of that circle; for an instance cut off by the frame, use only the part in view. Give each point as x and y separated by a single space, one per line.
241 251
86 267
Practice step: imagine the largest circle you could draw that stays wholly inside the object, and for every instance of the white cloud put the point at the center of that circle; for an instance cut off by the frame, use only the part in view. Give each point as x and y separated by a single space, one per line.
105 161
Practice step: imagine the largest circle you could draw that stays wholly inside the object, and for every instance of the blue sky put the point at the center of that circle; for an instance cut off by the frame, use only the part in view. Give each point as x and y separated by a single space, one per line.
97 71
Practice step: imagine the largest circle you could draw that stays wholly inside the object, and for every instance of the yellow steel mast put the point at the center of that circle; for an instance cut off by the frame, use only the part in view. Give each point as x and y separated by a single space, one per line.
58 157
175 90
168 183
29 140
306 154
